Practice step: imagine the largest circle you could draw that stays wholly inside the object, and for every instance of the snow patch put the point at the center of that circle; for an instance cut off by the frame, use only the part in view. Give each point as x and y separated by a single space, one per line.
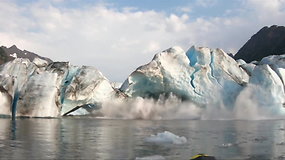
40 62
116 85
13 55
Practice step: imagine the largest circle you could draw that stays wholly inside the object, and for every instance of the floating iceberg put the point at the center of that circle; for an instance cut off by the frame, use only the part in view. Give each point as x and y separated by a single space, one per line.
166 137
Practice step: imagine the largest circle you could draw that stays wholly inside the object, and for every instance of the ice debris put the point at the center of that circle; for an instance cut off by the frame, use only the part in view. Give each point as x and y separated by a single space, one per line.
166 137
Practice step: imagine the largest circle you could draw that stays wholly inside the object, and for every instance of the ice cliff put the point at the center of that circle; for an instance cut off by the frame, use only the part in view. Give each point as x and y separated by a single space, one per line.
211 78
39 89
196 76
208 78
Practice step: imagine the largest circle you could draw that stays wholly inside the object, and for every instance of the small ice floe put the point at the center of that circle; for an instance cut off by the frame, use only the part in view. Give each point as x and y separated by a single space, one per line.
166 137
241 142
226 145
155 157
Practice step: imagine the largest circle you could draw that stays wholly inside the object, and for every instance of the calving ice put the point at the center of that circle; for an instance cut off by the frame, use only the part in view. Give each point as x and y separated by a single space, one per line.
201 83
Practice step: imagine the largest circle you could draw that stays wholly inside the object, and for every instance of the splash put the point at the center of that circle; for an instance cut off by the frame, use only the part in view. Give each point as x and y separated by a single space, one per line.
255 103
139 108
246 107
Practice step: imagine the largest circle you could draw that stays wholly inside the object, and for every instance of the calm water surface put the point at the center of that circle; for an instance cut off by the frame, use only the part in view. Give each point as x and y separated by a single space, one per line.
89 138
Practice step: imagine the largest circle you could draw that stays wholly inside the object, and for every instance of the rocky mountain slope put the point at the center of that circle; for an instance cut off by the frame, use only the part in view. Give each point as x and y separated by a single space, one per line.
267 41
8 54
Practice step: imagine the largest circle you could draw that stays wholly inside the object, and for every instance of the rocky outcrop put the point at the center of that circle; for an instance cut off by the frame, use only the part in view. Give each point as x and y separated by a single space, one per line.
268 41
8 54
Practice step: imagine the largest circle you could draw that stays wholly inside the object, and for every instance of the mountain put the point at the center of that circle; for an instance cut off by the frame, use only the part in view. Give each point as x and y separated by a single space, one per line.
267 41
8 54
4 57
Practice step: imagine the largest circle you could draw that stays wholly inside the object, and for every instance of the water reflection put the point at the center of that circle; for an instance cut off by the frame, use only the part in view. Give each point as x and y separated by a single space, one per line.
84 138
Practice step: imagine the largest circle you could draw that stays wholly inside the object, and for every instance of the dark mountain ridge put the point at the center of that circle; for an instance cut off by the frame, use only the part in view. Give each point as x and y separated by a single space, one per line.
8 54
267 41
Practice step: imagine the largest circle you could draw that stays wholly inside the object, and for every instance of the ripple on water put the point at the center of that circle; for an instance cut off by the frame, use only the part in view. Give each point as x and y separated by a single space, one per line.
155 157
280 143
226 145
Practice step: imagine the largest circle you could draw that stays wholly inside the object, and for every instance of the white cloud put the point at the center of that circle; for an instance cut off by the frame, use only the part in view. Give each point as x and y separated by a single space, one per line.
187 9
266 11
152 47
272 5
57 1
117 41
206 3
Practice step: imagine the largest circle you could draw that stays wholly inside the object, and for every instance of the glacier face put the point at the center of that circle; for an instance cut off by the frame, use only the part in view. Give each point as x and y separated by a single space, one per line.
6 102
13 76
88 89
213 80
39 97
195 76
39 89
166 73
205 83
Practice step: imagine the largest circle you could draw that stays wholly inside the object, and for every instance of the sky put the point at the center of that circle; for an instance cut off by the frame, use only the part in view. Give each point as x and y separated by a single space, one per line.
117 36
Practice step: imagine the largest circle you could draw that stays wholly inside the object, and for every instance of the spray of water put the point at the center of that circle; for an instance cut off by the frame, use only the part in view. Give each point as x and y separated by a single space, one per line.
255 103
252 103
139 108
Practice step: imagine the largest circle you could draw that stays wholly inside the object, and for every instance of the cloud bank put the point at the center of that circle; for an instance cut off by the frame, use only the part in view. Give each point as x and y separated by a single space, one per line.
117 40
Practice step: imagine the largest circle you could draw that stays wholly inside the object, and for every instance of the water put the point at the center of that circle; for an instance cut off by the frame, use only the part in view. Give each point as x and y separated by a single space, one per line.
90 138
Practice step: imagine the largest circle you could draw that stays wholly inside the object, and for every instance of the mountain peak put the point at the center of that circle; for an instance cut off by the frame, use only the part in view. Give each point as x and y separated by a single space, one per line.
267 41
8 54
14 47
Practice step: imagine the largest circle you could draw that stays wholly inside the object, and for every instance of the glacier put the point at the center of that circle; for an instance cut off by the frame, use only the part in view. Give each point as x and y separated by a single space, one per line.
200 83
195 76
39 89
212 80
87 90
